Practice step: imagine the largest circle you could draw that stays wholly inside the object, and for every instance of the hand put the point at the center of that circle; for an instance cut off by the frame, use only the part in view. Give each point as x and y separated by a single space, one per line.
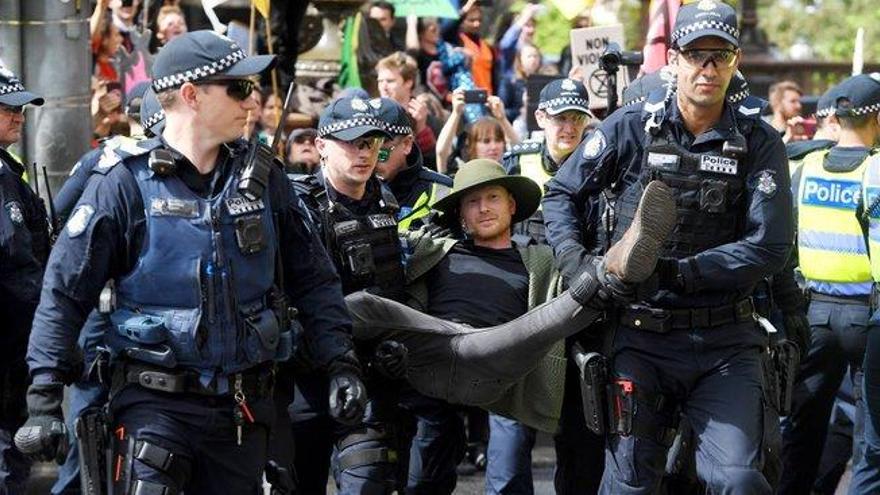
468 6
458 102
110 102
496 107
348 398
44 435
794 130
419 113
576 73
797 330
390 359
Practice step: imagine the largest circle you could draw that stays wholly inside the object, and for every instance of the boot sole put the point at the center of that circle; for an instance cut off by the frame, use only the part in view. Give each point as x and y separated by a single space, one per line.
654 221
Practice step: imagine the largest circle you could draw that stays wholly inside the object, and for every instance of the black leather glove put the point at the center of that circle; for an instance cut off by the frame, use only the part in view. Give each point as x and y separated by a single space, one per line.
574 261
797 330
348 395
44 436
390 359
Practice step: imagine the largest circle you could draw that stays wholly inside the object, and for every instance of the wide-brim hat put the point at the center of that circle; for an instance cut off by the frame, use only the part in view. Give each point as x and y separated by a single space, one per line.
483 172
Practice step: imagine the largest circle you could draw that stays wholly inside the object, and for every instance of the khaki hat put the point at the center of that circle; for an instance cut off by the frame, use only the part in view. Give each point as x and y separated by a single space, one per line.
484 172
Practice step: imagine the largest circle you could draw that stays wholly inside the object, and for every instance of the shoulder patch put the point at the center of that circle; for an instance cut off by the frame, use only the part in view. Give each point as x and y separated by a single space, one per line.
79 220
13 208
595 145
766 183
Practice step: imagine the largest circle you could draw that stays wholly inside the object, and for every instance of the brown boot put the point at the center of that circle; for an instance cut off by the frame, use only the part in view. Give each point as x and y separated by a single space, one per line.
633 258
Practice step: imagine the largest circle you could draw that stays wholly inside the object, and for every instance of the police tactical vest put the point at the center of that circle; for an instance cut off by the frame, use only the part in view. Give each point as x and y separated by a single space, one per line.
708 188
831 245
530 158
365 248
201 285
871 201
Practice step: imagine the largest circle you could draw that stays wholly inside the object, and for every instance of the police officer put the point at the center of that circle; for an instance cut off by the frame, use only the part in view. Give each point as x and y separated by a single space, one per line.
356 216
827 131
401 166
88 392
833 258
866 465
693 344
199 258
24 247
563 113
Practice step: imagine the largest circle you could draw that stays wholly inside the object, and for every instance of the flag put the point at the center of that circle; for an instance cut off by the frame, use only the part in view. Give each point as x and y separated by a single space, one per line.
425 8
661 19
263 7
349 76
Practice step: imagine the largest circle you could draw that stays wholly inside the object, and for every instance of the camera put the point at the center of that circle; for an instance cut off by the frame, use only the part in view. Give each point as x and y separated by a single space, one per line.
614 57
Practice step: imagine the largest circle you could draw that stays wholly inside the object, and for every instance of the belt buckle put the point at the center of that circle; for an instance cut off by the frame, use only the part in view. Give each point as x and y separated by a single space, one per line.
647 318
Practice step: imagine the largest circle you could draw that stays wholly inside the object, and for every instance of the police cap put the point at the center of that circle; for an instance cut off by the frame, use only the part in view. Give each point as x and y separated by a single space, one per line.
349 118
396 119
564 94
200 55
856 96
152 115
705 18
12 92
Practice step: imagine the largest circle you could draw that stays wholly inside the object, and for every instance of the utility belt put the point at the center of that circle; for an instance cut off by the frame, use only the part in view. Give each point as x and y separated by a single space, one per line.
620 406
864 300
257 382
663 320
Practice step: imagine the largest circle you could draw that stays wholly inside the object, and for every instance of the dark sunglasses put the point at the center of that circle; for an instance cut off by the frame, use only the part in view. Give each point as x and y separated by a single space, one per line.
701 57
237 89
304 139
12 109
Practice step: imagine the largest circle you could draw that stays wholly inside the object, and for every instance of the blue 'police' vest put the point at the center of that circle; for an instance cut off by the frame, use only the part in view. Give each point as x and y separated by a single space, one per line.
202 281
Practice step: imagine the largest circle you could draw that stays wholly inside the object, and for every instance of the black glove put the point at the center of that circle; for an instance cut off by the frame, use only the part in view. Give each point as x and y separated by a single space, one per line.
574 261
667 275
797 330
348 396
44 436
390 359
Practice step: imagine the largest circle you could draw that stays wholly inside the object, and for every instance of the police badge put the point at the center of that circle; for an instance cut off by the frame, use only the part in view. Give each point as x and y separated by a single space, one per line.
767 183
595 145
358 105
568 85
14 210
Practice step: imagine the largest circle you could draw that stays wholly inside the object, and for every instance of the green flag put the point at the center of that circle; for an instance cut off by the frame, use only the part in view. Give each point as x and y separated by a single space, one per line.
348 72
424 8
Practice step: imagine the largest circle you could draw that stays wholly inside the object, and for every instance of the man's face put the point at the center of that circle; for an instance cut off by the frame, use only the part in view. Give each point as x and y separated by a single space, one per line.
11 122
487 212
562 131
472 21
392 85
303 150
704 69
397 150
790 106
350 163
222 115
383 17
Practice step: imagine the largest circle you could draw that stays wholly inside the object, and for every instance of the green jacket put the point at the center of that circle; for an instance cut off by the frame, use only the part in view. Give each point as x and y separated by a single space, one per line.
536 400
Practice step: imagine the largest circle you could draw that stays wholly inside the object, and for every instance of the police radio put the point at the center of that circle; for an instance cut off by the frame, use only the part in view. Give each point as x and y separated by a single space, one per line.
258 162
162 162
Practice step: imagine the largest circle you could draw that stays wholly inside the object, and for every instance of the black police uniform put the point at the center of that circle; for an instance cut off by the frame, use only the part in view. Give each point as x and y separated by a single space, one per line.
361 238
24 247
191 329
694 344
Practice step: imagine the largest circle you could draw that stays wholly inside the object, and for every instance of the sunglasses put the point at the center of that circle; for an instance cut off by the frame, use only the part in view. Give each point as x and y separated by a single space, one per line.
702 57
12 109
574 118
237 89
362 143
304 139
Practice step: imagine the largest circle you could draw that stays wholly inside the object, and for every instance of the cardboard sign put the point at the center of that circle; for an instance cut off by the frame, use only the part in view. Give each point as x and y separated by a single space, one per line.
587 45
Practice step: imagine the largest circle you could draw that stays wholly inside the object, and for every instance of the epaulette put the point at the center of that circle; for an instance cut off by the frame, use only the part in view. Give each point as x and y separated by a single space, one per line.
437 177
750 107
309 189
119 149
524 148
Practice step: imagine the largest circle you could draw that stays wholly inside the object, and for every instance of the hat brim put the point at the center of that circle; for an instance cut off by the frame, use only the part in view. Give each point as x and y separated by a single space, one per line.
252 65
565 108
21 98
353 133
705 33
526 192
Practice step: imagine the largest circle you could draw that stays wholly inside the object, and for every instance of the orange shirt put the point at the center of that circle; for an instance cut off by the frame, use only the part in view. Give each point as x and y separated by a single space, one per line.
482 58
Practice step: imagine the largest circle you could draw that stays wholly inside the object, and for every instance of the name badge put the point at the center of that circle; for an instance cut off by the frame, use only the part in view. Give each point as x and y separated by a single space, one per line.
173 207
381 221
240 206
664 161
718 164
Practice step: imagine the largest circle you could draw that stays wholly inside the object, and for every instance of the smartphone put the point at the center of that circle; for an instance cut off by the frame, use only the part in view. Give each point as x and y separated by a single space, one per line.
114 86
476 96
808 127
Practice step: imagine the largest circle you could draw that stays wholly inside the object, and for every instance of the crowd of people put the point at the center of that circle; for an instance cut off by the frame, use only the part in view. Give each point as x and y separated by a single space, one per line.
432 269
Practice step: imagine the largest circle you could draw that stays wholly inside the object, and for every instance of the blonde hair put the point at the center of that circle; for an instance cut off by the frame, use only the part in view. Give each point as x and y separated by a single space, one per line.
402 63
